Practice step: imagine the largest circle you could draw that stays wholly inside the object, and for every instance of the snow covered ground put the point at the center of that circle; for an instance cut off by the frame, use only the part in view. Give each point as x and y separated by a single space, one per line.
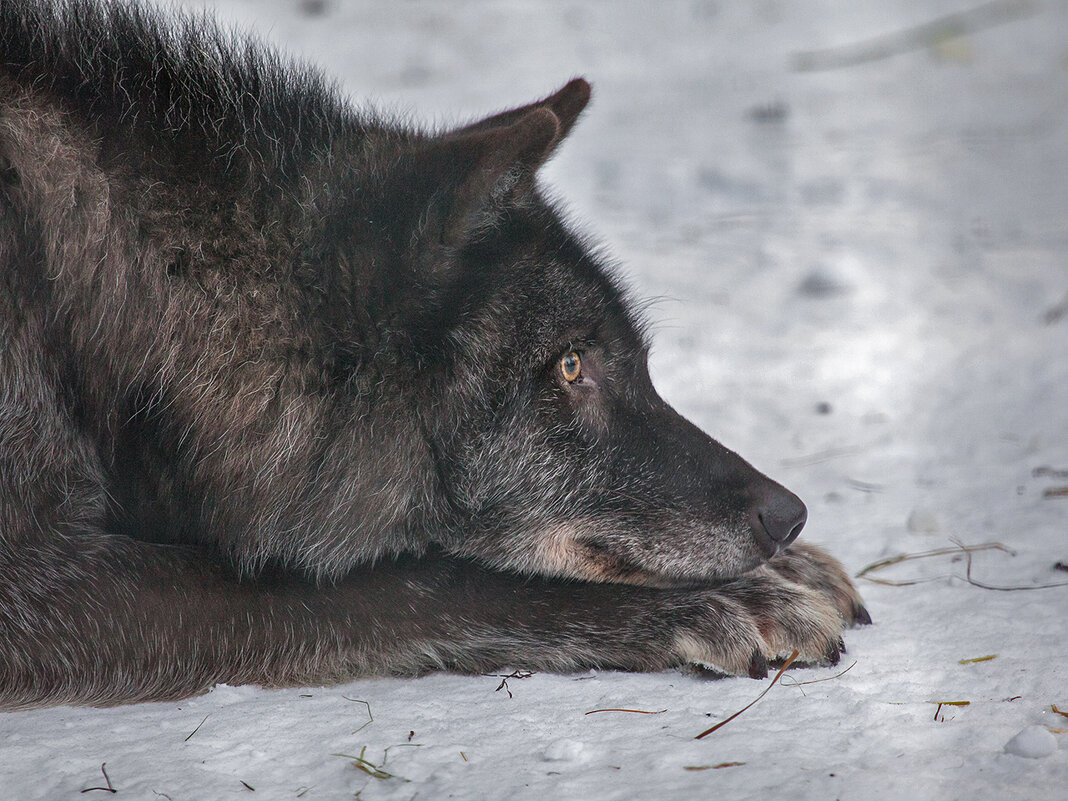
860 266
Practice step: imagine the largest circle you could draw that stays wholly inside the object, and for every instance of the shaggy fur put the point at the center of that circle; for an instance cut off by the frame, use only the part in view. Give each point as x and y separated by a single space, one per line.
290 393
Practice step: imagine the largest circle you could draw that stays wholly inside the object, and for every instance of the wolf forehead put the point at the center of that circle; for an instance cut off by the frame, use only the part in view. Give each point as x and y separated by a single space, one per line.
544 290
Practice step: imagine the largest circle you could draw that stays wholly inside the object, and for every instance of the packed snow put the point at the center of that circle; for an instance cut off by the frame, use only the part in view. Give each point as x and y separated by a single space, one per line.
852 221
1033 742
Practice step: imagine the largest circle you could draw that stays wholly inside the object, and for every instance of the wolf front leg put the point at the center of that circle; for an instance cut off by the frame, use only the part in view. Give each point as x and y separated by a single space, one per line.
119 621
477 620
464 617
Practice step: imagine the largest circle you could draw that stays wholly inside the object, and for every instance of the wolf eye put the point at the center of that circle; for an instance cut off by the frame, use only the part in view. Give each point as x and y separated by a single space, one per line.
571 367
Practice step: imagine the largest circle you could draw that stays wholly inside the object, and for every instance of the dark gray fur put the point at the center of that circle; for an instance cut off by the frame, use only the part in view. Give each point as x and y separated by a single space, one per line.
281 396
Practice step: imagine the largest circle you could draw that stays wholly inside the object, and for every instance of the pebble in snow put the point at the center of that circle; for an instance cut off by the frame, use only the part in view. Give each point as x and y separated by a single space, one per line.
1034 742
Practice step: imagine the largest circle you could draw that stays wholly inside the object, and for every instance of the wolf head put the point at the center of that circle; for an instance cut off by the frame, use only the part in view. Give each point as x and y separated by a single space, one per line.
553 451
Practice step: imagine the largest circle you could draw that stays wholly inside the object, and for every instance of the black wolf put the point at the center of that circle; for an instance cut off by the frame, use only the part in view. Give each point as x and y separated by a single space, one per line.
290 393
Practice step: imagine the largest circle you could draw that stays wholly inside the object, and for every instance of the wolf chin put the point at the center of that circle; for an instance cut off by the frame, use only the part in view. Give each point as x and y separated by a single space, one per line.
290 393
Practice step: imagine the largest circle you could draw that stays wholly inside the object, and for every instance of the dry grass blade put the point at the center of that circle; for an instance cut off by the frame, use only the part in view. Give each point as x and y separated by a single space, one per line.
368 767
799 684
1058 711
976 659
188 736
713 767
635 711
1000 588
908 557
959 548
370 717
722 723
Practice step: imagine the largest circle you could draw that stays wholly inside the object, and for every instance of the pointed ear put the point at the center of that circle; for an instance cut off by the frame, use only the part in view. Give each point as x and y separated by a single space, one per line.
482 170
567 104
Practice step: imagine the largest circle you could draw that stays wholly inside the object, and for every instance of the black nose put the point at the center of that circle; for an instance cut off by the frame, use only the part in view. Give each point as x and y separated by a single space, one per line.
779 517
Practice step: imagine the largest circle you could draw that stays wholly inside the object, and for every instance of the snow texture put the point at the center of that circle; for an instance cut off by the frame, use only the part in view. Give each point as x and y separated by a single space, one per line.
858 261
1033 742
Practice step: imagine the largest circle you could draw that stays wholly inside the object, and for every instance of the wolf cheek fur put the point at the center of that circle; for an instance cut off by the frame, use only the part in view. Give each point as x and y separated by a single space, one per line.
290 394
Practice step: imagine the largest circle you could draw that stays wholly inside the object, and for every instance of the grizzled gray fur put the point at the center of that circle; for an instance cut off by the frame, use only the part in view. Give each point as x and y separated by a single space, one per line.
290 393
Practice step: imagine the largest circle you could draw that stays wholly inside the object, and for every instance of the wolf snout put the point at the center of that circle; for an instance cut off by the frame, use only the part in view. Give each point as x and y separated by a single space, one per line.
777 518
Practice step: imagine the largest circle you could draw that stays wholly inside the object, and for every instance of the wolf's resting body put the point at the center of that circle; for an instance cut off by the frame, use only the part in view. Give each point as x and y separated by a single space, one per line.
289 393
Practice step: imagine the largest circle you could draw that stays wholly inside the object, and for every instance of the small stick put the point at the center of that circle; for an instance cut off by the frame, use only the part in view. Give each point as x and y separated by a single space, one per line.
515 674
1058 711
109 788
636 711
789 661
973 660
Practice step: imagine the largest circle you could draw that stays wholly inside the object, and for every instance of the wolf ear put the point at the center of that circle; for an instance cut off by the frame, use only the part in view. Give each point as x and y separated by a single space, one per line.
487 165
566 103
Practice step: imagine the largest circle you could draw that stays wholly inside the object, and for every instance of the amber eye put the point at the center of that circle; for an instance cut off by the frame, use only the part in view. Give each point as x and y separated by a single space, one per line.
571 367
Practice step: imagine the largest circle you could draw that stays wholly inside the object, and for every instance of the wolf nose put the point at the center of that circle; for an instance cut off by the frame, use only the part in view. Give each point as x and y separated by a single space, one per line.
780 516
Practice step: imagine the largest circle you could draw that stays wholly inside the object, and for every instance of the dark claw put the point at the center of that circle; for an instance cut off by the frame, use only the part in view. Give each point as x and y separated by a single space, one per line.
758 666
833 654
841 646
861 616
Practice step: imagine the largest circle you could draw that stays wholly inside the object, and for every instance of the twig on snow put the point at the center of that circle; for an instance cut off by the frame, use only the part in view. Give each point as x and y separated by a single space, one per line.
789 661
907 557
109 788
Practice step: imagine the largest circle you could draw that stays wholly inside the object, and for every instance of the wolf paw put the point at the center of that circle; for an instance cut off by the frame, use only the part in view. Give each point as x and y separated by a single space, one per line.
817 570
801 600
